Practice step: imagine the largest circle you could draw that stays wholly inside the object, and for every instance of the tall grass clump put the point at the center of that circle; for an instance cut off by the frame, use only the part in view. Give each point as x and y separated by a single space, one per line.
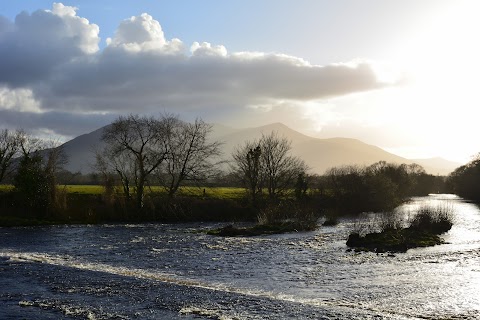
436 219
300 215
364 224
390 221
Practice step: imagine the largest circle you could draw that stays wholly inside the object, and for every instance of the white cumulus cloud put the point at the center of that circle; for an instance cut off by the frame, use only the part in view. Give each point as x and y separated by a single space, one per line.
52 62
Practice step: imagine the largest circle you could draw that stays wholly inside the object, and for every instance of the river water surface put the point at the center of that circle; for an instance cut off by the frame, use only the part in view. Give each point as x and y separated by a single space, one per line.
155 271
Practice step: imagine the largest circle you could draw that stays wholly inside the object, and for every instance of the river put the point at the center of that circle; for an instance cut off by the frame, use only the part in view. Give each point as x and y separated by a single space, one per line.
156 271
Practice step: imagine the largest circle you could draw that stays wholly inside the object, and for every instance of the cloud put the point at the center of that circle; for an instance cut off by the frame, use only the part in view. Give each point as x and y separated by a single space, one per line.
51 58
33 46
143 33
59 123
18 99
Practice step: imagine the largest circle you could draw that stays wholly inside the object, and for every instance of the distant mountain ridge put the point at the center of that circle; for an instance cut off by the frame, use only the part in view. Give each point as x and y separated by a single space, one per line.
319 154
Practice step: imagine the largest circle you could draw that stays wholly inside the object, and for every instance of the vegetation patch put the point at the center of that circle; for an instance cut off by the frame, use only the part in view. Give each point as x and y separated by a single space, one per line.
330 222
282 217
396 240
259 229
423 231
84 189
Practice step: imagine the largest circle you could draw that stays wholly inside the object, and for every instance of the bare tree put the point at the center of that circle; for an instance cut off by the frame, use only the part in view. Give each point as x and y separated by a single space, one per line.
280 169
123 165
9 149
268 164
142 139
190 155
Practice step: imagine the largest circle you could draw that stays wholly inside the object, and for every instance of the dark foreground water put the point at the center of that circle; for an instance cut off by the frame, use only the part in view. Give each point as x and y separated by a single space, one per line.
175 272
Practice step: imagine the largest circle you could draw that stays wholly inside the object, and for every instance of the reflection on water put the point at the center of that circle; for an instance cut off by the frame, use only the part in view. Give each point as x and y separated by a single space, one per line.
165 271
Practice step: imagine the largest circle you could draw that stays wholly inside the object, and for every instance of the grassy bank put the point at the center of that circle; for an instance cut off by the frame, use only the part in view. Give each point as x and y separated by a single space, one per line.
90 204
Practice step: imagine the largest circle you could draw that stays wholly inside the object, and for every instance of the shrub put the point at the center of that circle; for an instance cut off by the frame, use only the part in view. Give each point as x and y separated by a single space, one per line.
364 224
330 221
422 231
298 213
390 221
435 219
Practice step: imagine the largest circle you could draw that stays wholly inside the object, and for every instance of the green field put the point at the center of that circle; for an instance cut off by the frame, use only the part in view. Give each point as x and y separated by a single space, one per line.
5 187
210 192
219 193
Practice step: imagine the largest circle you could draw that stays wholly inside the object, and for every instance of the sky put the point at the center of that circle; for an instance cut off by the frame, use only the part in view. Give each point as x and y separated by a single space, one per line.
401 75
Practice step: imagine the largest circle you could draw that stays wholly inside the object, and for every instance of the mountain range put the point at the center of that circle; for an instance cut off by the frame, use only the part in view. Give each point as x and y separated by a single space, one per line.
319 154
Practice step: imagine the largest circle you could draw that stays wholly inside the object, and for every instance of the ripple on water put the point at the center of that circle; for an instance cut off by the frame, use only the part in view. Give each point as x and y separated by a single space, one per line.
259 275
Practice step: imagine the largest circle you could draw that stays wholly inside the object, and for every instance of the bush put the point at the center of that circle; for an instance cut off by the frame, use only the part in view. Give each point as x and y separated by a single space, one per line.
390 221
435 219
297 212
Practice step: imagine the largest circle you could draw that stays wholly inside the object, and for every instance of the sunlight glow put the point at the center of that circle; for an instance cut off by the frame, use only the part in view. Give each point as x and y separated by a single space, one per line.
441 65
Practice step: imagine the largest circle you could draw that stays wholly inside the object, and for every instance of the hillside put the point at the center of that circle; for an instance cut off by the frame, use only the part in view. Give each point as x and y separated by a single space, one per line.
319 154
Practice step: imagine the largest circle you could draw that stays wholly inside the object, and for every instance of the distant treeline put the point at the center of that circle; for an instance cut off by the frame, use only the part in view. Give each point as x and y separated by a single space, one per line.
465 180
144 151
379 187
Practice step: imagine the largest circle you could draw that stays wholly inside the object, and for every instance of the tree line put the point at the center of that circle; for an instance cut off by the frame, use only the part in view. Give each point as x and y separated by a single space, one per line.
379 187
465 180
140 152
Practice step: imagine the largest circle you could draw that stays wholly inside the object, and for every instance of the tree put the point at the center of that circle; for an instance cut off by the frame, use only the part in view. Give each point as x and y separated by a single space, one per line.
190 154
280 169
465 180
31 184
301 186
248 166
268 163
9 149
35 180
110 163
143 140
54 159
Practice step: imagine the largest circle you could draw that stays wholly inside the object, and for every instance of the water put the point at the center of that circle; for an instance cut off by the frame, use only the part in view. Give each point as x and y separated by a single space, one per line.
175 272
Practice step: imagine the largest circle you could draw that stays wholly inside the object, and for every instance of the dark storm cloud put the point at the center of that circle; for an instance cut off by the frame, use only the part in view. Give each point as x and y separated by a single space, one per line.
58 123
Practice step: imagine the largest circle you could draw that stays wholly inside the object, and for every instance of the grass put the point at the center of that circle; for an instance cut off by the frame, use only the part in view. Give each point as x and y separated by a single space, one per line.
88 204
435 219
83 189
209 192
6 187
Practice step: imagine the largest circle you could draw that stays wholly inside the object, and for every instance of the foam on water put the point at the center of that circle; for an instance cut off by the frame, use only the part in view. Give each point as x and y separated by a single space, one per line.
71 262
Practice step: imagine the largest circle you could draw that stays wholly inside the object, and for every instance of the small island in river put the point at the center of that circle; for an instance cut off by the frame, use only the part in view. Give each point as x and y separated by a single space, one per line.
423 231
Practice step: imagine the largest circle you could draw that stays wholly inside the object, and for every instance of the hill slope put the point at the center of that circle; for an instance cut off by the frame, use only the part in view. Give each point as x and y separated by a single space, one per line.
319 154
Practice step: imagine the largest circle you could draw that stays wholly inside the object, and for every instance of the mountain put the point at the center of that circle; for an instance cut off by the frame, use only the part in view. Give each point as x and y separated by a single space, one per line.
319 154
81 151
